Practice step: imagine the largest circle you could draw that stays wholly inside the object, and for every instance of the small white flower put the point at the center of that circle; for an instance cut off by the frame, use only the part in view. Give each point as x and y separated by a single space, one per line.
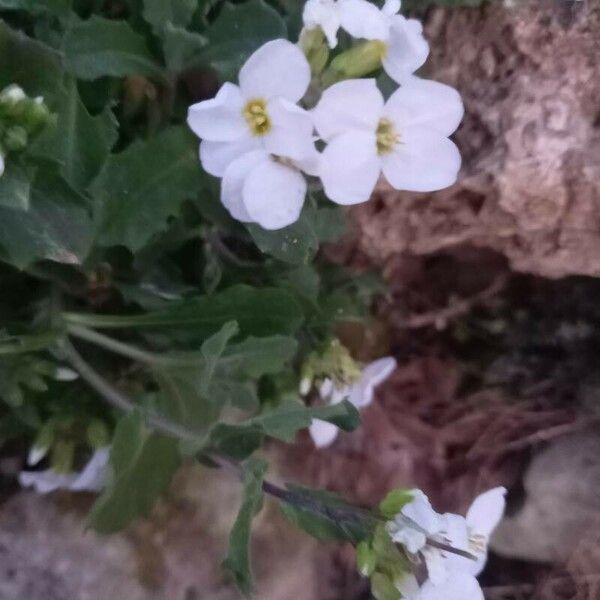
92 478
406 48
470 534
406 137
460 586
257 139
360 394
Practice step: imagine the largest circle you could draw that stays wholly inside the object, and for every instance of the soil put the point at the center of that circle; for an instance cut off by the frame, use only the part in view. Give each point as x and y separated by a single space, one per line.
492 312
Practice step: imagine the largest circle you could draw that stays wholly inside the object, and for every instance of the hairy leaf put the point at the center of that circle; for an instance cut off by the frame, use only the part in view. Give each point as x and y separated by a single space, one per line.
143 464
99 47
239 30
138 189
238 555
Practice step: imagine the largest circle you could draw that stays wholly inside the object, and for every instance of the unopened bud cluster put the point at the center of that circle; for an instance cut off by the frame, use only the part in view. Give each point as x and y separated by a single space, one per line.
21 118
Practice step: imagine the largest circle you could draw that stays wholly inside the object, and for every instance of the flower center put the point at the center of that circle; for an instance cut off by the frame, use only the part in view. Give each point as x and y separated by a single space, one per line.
257 117
387 137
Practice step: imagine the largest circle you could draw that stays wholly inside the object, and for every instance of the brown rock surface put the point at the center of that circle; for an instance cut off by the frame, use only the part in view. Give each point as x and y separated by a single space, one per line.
530 183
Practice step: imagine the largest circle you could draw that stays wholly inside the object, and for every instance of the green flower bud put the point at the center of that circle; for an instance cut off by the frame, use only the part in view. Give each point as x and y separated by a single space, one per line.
36 115
393 503
97 434
366 559
42 444
15 138
63 453
356 62
383 588
315 48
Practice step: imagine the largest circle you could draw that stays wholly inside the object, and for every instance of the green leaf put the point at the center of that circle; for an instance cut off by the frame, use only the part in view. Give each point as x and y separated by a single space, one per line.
182 48
138 189
56 226
285 420
296 244
80 142
236 441
258 312
15 188
160 12
31 342
238 31
327 516
213 348
99 47
238 555
143 463
255 357
28 63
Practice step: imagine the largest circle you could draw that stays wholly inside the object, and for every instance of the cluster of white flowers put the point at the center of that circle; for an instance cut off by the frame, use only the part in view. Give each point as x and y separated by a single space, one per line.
434 539
360 394
262 142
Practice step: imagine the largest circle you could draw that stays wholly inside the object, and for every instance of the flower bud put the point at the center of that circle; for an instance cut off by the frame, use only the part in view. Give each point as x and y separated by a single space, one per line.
383 588
366 559
15 138
315 48
12 94
97 434
356 62
41 445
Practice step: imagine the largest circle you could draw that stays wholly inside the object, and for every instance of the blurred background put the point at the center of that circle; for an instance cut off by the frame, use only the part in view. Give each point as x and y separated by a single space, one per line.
493 312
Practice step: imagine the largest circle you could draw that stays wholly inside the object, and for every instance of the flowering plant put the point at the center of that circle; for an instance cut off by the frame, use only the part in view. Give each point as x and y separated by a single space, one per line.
160 307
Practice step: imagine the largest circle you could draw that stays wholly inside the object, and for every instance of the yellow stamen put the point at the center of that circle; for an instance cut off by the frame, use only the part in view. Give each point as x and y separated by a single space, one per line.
255 113
387 137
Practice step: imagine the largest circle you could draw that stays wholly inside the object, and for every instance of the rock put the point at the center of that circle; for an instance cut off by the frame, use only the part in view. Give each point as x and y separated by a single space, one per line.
530 183
562 504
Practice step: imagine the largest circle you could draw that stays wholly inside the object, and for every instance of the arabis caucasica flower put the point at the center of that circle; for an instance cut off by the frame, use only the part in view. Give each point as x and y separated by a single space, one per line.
417 524
403 47
92 478
405 138
258 139
359 393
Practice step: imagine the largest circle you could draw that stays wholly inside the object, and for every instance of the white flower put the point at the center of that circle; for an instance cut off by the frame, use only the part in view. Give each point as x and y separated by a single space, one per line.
92 478
360 394
256 137
460 586
418 523
406 138
405 47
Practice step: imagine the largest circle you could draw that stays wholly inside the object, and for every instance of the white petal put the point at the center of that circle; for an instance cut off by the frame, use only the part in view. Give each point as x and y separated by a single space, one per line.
274 194
339 394
407 48
36 453
94 476
361 19
424 161
233 183
425 103
310 164
323 14
350 167
291 135
322 433
276 69
411 539
391 7
326 389
486 511
220 119
459 586
437 565
348 105
217 156
420 512
44 482
1 165
361 394
65 374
